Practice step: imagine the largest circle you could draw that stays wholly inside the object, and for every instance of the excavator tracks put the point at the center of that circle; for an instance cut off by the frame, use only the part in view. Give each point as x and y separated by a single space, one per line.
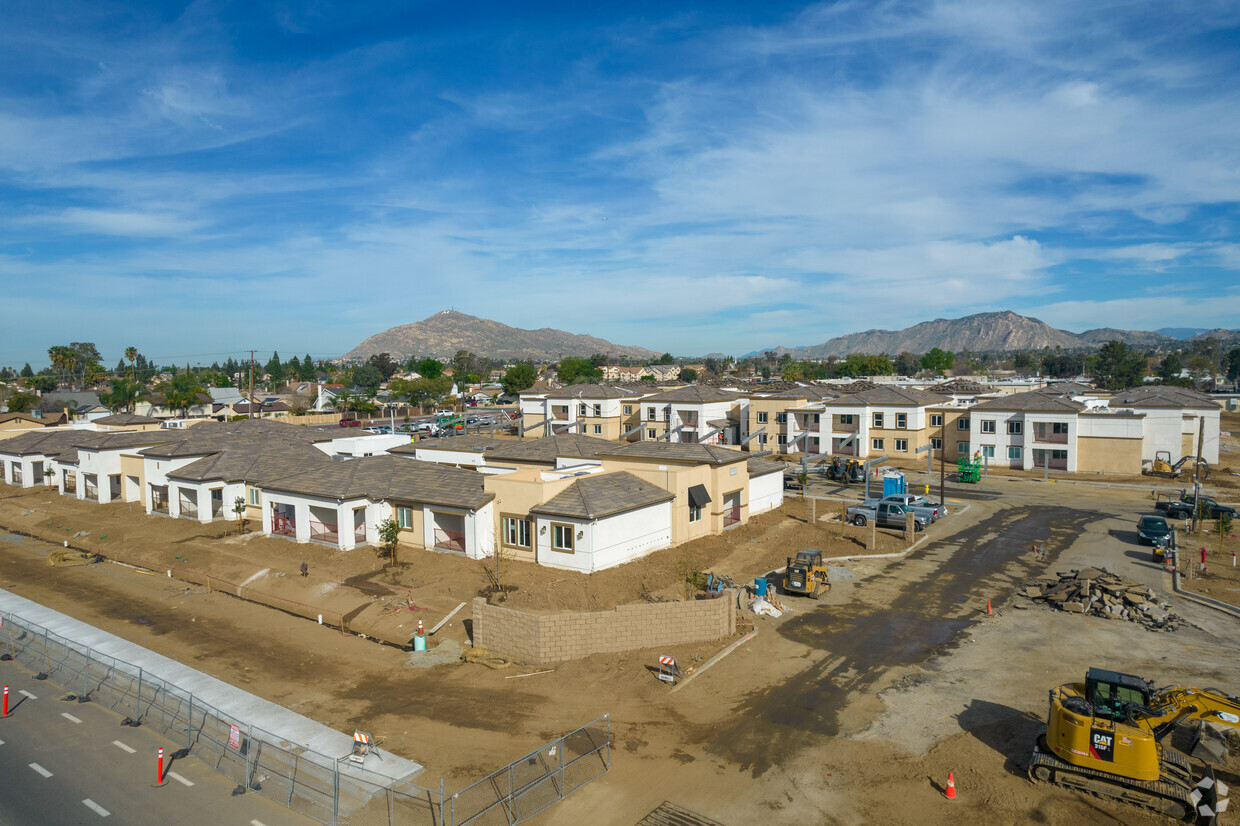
1169 795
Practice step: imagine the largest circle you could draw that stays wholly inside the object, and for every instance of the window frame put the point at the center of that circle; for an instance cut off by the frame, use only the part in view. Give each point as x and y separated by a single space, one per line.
517 522
628 409
988 451
962 423
901 446
598 409
559 529
936 419
598 428
877 421
255 497
936 443
1015 428
694 510
762 417
901 421
1015 452
876 444
404 518
987 425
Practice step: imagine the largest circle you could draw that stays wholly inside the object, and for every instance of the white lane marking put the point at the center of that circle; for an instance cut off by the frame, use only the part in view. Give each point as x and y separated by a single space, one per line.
257 823
40 770
1 742
180 779
28 694
95 807
70 717
122 746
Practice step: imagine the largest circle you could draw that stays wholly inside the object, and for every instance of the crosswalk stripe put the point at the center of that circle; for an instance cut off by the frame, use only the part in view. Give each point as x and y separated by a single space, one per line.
28 694
40 770
180 779
122 746
70 717
96 808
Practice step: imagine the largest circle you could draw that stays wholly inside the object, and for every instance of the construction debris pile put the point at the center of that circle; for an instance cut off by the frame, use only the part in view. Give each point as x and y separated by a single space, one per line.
1104 594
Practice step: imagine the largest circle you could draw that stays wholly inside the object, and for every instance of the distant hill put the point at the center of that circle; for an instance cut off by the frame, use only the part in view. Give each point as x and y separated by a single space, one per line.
1003 331
446 332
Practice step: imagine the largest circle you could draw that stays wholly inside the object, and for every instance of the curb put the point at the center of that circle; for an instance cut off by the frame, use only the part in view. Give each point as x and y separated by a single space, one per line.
1207 602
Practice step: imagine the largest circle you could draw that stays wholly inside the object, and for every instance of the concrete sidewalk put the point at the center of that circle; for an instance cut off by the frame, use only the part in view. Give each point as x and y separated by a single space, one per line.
239 704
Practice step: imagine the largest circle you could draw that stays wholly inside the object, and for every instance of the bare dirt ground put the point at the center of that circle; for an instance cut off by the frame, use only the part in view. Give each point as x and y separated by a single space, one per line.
849 710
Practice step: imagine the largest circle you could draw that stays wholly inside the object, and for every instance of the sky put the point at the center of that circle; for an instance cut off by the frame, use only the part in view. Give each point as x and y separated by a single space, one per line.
202 179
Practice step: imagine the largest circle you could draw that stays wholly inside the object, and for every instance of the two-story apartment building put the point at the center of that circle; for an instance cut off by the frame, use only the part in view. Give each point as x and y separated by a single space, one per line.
599 410
886 420
695 414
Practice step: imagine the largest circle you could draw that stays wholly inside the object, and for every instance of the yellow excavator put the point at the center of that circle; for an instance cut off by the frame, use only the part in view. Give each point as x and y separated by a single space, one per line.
1162 466
1104 737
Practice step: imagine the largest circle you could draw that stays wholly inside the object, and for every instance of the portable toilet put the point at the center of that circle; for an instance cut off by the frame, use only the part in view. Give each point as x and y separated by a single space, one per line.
893 483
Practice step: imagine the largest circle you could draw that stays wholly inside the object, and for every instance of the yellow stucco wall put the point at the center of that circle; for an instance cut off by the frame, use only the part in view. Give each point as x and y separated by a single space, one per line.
1101 454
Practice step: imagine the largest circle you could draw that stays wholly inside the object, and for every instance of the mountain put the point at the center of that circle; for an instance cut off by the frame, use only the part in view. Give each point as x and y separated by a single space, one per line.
446 332
1134 338
983 332
1181 332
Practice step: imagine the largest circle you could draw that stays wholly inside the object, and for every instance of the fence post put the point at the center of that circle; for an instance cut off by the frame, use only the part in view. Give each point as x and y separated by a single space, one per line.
189 725
335 792
137 700
86 676
512 799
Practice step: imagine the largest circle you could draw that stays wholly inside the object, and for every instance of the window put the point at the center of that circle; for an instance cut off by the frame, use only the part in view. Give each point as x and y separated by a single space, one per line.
1014 452
988 426
598 410
598 428
516 532
650 414
962 424
781 418
817 417
762 414
876 444
902 445
253 496
878 419
936 444
783 439
1060 427
1059 454
404 518
628 410
762 438
650 433
962 448
695 514
1013 428
562 538
988 451
846 418
936 419
902 421
581 410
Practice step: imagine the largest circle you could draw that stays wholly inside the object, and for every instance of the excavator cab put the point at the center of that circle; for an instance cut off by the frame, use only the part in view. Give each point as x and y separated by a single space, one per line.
1111 694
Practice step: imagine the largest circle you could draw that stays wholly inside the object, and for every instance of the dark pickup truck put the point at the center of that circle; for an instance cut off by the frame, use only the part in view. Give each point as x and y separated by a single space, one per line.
1183 508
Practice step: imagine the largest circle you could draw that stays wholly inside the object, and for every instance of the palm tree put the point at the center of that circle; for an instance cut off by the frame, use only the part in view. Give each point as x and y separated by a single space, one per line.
64 360
183 391
131 355
122 396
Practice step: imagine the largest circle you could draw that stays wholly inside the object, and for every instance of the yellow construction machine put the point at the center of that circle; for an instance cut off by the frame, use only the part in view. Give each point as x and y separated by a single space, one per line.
1104 737
1162 466
806 574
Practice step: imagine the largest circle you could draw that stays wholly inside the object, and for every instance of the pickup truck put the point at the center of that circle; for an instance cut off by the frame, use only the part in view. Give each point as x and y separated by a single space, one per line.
885 515
1183 509
917 504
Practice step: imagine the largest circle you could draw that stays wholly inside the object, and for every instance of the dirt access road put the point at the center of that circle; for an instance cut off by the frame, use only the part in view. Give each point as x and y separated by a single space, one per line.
849 710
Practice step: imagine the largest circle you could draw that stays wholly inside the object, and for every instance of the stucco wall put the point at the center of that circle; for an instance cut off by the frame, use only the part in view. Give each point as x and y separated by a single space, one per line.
1100 454
548 638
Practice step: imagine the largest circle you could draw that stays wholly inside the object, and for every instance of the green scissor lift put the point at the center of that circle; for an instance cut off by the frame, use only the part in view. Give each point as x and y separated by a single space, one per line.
969 470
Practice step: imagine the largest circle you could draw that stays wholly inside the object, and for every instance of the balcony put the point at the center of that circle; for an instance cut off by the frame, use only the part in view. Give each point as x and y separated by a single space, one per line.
284 526
446 540
1046 437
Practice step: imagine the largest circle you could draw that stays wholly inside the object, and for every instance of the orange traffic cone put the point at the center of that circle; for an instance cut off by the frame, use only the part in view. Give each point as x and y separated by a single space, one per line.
951 786
989 612
421 633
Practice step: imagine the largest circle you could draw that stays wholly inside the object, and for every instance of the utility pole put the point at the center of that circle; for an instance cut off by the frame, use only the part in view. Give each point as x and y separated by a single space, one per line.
250 410
943 461
1201 436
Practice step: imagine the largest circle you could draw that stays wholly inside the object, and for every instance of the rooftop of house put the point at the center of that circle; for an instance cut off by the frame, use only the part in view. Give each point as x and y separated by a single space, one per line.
692 394
126 419
583 391
600 495
761 467
1032 401
888 396
682 452
1162 395
389 478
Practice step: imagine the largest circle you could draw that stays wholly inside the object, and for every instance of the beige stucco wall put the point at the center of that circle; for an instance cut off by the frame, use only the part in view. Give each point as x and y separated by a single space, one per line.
515 494
132 466
1101 454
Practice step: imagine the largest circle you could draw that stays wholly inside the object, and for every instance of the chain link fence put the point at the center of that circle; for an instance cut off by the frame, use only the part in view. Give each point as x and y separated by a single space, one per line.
329 790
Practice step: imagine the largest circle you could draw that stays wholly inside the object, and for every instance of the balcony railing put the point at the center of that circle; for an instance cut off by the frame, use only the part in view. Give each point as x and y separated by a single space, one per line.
189 510
284 526
1050 438
836 427
732 516
359 534
159 502
449 540
325 531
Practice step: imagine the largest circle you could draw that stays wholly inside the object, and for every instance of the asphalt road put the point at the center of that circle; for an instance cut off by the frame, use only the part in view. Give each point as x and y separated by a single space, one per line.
70 763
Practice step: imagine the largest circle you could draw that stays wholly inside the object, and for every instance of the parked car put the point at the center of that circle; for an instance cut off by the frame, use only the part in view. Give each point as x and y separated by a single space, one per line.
1183 509
350 423
917 504
885 515
378 429
1152 529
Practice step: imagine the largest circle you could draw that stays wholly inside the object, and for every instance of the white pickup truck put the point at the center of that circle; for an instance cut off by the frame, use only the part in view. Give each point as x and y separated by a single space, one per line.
885 515
917 504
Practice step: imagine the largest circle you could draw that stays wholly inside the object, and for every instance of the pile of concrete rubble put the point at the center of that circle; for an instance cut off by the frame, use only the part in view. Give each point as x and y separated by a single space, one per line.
1104 594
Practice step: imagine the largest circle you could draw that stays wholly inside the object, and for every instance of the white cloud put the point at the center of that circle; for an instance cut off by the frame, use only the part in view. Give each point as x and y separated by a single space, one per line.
113 222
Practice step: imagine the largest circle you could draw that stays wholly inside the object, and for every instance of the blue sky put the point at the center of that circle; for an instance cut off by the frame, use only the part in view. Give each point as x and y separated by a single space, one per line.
198 180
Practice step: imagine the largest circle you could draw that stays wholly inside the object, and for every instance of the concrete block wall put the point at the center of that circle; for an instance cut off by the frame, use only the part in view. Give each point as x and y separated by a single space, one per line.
549 638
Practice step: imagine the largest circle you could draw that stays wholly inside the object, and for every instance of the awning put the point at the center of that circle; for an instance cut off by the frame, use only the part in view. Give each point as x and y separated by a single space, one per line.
698 497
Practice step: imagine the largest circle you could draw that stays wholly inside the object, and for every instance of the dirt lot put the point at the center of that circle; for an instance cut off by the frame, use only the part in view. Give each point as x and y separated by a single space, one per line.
849 710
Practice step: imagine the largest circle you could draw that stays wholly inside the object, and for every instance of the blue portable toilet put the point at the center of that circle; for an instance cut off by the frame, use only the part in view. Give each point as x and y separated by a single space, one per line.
893 483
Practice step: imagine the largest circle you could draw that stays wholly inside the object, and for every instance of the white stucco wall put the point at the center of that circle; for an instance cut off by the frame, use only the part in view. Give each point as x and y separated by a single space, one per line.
605 543
766 492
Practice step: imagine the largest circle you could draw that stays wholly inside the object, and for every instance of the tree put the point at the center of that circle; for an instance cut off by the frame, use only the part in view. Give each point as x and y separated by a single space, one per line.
711 365
666 358
64 361
239 509
27 373
43 384
907 364
938 359
1118 366
1233 363
1199 369
576 370
688 374
1024 362
429 368
389 538
1170 367
384 364
368 376
793 371
518 377
275 369
131 355
182 392
123 395
307 372
22 402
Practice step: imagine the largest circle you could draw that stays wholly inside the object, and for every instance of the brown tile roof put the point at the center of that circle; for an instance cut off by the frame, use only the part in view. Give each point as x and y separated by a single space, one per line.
588 391
761 467
389 478
121 419
1162 395
693 394
958 386
884 396
601 495
1033 401
26 418
468 442
684 452
549 448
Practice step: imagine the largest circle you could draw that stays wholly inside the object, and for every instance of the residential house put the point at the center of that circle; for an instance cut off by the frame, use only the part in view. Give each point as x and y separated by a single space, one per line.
695 414
600 410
